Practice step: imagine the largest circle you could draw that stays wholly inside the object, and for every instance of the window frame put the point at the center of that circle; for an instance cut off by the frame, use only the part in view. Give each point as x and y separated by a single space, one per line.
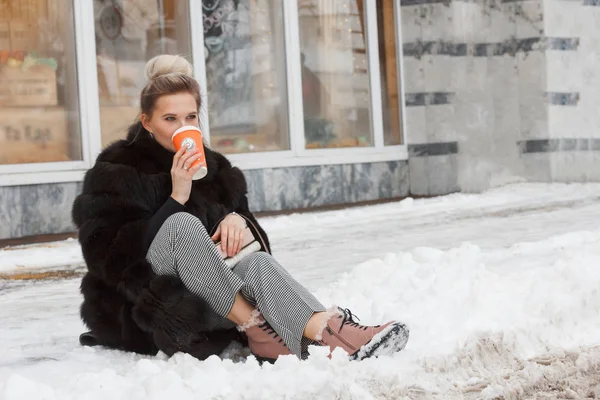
400 72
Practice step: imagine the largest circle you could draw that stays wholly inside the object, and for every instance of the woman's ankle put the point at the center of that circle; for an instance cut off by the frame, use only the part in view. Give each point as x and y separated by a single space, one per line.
317 323
254 320
241 311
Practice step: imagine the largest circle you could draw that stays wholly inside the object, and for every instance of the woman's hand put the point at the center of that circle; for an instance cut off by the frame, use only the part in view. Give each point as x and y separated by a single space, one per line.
231 231
181 174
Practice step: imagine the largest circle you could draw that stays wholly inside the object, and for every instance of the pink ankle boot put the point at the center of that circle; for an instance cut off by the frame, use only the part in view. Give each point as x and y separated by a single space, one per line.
264 342
361 341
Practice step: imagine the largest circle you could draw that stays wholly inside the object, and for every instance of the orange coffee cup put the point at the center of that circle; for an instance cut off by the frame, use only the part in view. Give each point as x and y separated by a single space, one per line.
191 138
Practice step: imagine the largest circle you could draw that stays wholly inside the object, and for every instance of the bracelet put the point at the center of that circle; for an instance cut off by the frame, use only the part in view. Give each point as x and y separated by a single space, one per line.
244 219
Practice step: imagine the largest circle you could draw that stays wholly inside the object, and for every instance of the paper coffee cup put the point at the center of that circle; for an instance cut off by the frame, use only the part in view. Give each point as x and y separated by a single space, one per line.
191 138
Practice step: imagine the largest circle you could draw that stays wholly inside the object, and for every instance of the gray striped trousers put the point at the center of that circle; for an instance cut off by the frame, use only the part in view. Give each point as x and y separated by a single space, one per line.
183 248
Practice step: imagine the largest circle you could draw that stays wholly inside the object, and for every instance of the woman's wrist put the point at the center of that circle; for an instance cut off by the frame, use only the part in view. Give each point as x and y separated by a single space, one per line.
179 199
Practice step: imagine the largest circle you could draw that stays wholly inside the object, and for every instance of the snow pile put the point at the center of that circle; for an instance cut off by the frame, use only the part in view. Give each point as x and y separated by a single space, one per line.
484 323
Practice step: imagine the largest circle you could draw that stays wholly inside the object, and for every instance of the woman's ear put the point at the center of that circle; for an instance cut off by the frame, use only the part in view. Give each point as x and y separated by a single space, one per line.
145 122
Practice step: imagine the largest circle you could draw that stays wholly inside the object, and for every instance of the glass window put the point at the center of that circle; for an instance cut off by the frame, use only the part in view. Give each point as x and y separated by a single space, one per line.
246 80
335 79
39 110
388 65
128 34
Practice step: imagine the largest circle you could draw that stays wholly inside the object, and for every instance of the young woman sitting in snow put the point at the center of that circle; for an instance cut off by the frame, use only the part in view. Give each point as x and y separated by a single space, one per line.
155 279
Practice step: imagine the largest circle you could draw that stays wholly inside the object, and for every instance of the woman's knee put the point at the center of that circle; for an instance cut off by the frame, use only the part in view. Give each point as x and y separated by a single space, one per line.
182 218
182 228
261 263
183 222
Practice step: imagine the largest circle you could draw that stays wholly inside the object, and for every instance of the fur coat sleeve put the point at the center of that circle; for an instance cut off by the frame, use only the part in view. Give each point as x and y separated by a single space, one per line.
125 304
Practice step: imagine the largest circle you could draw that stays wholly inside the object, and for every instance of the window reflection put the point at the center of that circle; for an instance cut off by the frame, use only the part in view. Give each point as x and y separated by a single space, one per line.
245 64
128 34
335 80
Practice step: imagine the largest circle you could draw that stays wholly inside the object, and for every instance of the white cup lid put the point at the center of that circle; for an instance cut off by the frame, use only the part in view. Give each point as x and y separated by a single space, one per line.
185 128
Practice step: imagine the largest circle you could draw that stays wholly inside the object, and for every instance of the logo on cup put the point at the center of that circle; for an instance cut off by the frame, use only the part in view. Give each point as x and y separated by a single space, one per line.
189 143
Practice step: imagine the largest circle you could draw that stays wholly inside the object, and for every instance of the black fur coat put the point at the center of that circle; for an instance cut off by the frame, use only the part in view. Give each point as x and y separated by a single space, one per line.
127 306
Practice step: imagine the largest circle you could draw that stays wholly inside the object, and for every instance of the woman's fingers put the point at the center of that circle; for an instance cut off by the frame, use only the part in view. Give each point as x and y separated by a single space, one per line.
185 159
190 161
177 158
195 168
232 243
181 157
217 234
231 238
224 236
240 235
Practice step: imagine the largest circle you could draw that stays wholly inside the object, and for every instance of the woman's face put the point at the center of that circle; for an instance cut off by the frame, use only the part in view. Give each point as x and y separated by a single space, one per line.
170 113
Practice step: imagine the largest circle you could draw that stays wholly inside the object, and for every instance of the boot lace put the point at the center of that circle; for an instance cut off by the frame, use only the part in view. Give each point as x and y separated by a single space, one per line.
349 320
269 329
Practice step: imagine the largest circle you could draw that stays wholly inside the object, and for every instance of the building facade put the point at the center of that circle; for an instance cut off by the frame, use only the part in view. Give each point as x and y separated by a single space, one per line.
319 102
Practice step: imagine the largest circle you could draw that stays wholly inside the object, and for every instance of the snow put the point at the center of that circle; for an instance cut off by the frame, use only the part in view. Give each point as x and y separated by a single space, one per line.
40 257
501 292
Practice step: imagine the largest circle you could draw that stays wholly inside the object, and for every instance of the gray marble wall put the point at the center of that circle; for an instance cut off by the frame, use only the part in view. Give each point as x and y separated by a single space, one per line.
46 209
571 149
36 209
303 187
494 77
431 134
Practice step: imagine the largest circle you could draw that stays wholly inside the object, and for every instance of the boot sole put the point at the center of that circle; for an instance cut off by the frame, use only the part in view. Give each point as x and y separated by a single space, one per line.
387 342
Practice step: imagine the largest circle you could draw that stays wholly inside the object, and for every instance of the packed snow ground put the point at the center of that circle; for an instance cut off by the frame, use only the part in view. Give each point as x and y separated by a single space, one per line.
501 292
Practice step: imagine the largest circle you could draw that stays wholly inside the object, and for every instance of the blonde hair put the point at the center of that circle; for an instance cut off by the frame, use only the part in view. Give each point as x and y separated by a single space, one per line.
167 74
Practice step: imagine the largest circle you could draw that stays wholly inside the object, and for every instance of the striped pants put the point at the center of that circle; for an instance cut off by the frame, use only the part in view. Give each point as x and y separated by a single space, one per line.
183 248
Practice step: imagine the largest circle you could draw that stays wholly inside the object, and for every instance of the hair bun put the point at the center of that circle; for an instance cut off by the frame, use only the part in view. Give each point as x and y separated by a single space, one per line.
167 64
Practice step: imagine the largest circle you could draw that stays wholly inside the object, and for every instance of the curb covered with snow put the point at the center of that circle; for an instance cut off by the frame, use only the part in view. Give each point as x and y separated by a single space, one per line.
42 258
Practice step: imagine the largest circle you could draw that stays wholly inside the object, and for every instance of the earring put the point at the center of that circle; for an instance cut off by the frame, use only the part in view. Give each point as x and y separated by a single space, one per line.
151 135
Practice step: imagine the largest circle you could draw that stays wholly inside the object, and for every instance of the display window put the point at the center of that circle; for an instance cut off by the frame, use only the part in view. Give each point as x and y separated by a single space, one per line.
128 33
39 104
246 77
